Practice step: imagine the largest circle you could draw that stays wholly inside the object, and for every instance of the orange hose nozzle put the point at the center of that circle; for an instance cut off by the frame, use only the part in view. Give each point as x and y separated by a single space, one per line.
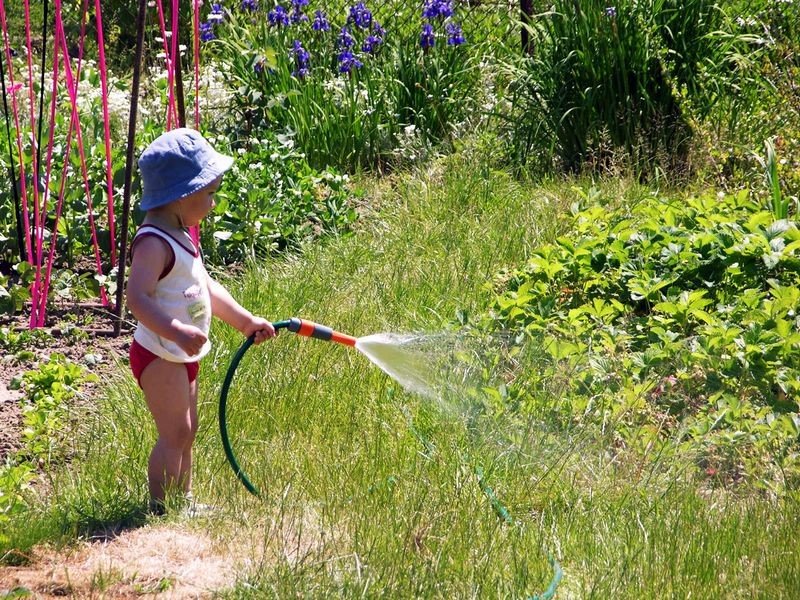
320 332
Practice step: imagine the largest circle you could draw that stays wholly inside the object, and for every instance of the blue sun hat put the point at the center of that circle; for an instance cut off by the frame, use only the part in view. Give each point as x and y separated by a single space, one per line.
176 164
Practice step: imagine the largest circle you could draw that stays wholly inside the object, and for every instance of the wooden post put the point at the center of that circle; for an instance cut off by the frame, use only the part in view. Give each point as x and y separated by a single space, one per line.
129 160
526 10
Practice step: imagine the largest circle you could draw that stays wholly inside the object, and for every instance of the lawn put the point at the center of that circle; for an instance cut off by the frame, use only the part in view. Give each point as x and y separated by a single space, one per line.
369 490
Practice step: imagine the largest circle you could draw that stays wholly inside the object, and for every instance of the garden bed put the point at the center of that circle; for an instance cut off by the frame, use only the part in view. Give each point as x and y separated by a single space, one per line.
67 333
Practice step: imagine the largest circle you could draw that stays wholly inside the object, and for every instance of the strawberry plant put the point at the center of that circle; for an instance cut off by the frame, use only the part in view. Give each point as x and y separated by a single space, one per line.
678 312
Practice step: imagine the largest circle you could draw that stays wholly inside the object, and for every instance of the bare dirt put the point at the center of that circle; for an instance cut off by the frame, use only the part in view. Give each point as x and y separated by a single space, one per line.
81 334
10 419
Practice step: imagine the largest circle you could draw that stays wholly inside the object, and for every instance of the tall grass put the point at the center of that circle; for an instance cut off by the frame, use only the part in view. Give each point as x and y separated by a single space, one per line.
778 204
626 83
368 491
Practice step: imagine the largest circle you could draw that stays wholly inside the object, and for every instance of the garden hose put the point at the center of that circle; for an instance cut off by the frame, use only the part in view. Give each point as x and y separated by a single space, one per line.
321 332
502 513
295 325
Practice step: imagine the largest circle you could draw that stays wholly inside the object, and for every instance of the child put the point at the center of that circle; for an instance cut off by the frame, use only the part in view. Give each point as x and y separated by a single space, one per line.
173 298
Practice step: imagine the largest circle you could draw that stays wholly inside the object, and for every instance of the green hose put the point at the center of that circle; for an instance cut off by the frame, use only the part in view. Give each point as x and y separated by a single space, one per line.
502 513
314 330
497 506
223 401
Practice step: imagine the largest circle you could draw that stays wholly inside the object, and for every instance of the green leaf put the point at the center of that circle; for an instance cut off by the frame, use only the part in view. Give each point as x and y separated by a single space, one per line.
561 349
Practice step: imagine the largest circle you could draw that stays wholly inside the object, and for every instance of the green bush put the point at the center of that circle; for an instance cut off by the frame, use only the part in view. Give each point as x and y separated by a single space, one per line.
675 319
49 389
272 201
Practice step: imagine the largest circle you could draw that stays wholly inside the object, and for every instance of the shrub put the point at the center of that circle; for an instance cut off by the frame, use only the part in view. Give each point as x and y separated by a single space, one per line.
677 319
272 200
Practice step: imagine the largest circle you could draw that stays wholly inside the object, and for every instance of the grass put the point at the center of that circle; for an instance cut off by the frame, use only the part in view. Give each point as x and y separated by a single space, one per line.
369 491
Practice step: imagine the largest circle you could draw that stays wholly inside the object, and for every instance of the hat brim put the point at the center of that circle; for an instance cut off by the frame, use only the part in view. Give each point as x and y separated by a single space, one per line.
214 168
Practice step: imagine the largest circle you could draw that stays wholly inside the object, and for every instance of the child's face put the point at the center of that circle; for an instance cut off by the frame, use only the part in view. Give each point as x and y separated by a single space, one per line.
195 207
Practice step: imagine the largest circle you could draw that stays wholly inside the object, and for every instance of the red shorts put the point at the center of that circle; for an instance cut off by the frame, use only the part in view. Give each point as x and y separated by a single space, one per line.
141 357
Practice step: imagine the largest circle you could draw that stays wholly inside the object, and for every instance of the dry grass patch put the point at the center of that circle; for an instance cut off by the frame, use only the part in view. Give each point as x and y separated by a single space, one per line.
164 561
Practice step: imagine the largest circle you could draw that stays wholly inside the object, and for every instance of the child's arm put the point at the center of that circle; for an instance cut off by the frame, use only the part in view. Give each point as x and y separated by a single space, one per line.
234 314
148 262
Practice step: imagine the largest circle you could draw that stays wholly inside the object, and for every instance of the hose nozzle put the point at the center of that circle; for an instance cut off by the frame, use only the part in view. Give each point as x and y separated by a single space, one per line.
320 332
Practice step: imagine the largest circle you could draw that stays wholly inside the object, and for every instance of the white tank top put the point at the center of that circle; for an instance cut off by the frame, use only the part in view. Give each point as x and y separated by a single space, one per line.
181 293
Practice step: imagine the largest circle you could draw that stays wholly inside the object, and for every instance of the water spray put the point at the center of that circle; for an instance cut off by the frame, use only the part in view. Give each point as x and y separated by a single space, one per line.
382 350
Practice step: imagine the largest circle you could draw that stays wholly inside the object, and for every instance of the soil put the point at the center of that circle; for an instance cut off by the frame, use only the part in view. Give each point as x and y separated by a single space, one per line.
81 333
10 418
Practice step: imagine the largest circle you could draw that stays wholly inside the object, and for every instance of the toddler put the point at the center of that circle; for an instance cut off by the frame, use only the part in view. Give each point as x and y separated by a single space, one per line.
173 298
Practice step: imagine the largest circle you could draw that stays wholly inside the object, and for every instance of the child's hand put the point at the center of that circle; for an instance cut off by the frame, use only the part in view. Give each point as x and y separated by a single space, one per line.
189 338
262 329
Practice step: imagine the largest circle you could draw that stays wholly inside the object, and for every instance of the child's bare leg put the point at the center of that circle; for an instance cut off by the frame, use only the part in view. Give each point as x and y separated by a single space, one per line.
186 461
169 398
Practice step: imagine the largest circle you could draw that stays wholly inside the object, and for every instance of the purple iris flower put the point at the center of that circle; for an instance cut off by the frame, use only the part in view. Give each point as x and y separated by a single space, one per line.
371 43
426 38
455 37
379 31
320 21
301 59
437 9
251 5
610 11
298 16
348 61
345 40
278 16
207 32
360 15
216 12
300 53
